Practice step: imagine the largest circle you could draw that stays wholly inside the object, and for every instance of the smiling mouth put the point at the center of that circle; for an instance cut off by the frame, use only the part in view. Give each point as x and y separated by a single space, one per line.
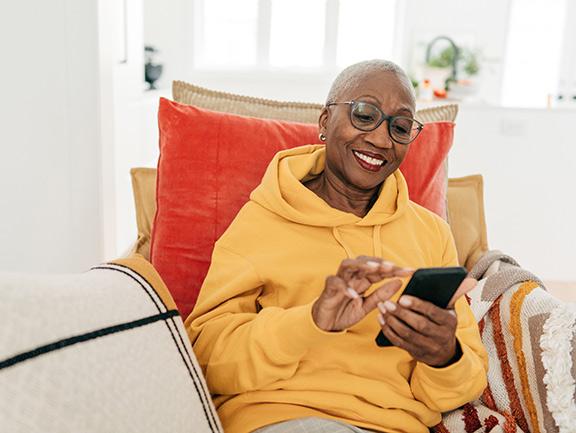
368 162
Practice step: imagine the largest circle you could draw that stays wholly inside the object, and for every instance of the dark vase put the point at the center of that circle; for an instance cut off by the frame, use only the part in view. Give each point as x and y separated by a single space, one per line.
152 73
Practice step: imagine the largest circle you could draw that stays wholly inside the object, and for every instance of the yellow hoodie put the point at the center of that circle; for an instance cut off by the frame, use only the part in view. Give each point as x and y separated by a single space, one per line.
264 359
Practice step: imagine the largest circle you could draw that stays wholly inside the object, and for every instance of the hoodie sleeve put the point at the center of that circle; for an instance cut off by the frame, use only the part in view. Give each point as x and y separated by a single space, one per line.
444 389
238 347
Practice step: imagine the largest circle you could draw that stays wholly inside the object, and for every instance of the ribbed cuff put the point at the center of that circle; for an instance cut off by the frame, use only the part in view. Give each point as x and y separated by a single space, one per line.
453 373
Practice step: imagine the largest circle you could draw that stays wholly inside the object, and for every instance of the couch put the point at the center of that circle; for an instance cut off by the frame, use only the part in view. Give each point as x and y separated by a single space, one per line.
130 367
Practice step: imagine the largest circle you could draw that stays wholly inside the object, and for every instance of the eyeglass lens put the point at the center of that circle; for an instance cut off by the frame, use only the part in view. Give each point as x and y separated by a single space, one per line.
368 117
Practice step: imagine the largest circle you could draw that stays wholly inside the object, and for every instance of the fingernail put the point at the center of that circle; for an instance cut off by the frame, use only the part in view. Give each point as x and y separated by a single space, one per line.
373 264
452 312
381 307
387 264
381 319
404 301
353 293
390 306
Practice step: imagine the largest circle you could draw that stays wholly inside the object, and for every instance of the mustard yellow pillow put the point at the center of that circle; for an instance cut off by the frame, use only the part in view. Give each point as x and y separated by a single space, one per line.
465 214
144 191
466 218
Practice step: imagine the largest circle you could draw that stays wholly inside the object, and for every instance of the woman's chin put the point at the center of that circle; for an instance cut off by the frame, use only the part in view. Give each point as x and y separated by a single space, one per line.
369 181
365 184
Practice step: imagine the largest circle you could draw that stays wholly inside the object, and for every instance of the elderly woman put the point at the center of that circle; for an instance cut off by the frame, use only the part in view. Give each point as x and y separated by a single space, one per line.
305 277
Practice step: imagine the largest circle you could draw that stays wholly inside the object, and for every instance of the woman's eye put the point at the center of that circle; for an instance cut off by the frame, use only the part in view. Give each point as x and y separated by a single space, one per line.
402 126
399 129
365 118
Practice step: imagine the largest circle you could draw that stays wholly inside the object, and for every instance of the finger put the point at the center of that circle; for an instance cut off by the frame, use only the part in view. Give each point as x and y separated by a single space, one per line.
373 268
398 271
374 259
360 285
386 268
336 289
381 294
347 269
356 268
392 336
467 285
374 277
389 333
440 316
406 337
395 271
391 270
418 322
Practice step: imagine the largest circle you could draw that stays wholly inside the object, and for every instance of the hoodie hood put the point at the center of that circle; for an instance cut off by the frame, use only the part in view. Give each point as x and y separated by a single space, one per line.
282 192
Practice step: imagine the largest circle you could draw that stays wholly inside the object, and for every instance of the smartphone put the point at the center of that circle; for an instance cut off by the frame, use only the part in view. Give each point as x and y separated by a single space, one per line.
436 285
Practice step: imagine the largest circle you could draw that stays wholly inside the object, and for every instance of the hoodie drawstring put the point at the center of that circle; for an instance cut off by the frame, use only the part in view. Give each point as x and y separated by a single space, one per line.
341 242
376 241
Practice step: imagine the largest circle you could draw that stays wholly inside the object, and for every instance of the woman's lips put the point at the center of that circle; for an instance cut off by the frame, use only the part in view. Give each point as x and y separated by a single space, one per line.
368 162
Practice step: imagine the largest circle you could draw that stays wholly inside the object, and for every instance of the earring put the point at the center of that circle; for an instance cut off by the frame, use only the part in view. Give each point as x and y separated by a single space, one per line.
322 137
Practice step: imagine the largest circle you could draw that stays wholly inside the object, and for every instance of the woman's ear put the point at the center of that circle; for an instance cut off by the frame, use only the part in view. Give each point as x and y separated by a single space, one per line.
323 120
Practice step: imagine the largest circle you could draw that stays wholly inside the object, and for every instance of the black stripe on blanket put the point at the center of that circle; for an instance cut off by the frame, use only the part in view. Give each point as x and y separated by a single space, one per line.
66 342
202 393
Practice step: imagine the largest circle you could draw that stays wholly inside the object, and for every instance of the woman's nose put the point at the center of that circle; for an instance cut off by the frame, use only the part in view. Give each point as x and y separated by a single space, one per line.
380 137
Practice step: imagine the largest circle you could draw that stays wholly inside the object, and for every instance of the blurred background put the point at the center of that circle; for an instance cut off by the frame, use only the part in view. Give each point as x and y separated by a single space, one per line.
81 81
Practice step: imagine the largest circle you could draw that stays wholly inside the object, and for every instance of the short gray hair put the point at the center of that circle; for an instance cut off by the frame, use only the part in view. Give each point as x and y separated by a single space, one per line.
348 78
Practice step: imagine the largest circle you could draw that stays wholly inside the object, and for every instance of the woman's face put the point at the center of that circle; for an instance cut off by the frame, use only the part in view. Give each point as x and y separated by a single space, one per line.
347 148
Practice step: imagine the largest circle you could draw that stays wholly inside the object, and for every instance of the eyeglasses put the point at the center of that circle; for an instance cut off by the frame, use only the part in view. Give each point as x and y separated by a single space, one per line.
367 117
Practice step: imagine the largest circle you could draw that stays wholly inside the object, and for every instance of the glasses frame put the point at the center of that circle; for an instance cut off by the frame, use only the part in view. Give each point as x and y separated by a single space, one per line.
384 117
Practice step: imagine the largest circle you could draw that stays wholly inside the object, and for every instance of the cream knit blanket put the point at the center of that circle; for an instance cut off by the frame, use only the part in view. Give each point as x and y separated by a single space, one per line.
529 336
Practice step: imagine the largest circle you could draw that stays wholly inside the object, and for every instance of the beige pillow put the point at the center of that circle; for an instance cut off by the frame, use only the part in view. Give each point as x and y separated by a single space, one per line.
190 94
465 213
186 93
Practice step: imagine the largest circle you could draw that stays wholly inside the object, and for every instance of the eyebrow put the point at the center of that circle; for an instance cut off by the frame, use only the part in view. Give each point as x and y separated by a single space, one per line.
374 98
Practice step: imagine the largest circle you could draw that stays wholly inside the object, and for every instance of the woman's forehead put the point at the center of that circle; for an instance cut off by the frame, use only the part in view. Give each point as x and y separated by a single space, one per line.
386 88
381 83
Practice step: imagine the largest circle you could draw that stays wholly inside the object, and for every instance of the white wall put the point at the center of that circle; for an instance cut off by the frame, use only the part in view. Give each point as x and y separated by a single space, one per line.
50 210
129 125
168 27
528 160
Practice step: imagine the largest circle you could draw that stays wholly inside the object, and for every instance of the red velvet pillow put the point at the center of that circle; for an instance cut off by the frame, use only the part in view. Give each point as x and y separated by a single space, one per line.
210 162
426 169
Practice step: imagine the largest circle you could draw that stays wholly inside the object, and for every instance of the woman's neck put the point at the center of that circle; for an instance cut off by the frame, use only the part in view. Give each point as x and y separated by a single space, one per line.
339 196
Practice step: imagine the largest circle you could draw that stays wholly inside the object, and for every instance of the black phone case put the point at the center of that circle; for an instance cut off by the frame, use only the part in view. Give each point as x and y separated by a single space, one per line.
436 285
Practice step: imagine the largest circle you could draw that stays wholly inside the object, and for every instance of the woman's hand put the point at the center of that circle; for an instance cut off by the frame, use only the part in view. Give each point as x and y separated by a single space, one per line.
424 330
342 305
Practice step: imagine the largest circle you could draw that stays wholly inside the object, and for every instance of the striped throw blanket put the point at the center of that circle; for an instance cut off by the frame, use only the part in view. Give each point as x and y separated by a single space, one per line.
529 336
102 351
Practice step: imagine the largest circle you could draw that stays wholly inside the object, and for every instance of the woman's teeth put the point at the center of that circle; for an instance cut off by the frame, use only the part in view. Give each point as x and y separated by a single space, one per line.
368 159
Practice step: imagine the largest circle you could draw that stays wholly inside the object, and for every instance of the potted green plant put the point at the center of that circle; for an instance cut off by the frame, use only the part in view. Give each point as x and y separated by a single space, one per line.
466 62
451 68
